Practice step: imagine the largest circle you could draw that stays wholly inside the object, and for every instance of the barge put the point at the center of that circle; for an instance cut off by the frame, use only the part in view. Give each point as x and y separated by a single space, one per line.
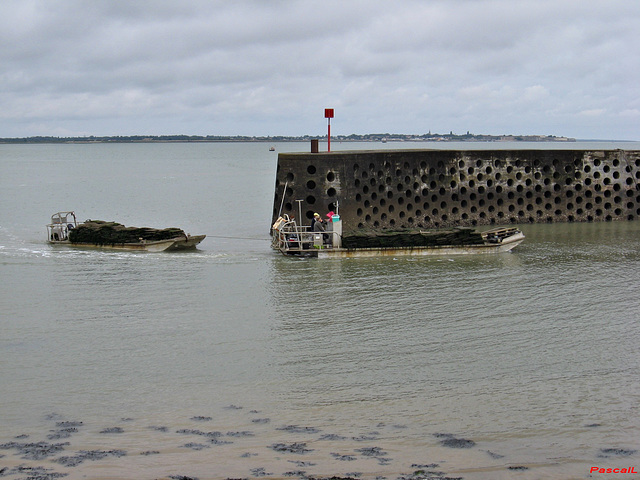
65 229
289 238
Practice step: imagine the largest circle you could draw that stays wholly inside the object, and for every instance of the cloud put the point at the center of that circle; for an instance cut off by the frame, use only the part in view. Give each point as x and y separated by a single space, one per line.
595 112
255 67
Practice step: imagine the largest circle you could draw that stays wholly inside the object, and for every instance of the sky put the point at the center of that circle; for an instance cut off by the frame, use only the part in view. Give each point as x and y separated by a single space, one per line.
271 67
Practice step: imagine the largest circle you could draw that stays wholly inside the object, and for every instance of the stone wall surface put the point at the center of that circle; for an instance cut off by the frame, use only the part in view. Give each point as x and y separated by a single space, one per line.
399 189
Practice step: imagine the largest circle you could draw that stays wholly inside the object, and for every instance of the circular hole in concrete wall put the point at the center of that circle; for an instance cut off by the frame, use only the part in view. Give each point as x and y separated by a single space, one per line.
311 184
290 177
310 199
331 176
331 192
311 169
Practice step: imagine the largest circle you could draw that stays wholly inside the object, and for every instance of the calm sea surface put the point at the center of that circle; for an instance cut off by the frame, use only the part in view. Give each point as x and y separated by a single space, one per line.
232 361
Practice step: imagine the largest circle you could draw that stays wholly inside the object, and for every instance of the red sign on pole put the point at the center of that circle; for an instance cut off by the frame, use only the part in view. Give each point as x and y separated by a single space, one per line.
328 114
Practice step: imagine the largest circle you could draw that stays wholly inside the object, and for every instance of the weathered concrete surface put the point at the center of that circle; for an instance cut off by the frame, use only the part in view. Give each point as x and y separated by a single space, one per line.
397 189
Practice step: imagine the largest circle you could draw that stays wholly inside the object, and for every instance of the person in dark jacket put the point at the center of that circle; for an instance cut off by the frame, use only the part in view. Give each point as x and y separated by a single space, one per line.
318 225
316 217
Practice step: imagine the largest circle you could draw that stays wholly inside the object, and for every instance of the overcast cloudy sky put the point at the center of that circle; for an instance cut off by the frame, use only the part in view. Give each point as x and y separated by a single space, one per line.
270 67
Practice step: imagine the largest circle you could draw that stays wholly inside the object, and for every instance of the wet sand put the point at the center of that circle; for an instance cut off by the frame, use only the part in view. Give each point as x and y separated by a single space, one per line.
203 447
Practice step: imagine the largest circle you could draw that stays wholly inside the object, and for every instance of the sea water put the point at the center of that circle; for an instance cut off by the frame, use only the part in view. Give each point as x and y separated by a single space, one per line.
234 362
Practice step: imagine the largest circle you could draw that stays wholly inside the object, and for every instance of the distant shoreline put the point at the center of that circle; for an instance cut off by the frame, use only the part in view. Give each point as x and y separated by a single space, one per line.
382 137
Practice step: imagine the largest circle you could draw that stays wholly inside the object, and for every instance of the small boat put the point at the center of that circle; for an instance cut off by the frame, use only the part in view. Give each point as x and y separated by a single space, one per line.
272 149
64 229
291 239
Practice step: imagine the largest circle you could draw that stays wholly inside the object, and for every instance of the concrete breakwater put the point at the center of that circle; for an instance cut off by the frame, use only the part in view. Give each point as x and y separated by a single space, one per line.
399 189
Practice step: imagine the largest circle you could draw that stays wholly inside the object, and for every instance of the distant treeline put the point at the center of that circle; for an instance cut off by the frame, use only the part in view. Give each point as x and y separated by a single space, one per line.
369 137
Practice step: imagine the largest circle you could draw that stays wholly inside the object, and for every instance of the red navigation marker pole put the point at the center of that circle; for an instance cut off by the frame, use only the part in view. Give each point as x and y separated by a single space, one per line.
328 114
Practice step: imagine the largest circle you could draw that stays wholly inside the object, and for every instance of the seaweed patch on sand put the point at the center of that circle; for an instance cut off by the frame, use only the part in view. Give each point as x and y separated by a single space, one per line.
251 449
448 440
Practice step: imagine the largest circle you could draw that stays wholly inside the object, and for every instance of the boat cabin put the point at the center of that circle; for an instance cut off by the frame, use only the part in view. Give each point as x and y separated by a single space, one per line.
61 224
292 239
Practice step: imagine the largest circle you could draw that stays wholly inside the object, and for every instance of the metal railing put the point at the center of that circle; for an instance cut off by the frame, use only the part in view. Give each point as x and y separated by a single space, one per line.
289 237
